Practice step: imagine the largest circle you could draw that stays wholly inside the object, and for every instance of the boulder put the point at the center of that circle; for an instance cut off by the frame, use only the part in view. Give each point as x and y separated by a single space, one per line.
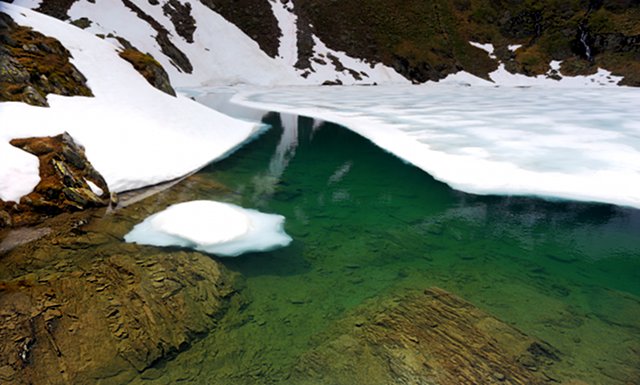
68 181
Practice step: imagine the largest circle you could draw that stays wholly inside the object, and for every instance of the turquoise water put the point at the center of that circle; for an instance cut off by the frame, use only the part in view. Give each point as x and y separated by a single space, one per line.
366 224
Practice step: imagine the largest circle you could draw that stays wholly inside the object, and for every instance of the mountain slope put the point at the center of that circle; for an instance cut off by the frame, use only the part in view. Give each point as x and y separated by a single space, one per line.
296 41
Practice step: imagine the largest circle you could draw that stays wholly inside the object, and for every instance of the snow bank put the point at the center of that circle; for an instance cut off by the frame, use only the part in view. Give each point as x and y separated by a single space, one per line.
581 143
134 135
212 227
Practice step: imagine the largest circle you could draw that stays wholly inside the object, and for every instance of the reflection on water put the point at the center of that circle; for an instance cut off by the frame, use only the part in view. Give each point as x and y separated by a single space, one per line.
364 224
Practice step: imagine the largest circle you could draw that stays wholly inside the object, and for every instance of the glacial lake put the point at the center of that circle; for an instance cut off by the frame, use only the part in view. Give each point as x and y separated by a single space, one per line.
365 224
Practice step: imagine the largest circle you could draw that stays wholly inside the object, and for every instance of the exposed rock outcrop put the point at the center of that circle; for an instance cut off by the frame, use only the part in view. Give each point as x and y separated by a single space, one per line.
65 174
254 18
56 8
430 338
148 67
33 65
427 40
178 58
180 15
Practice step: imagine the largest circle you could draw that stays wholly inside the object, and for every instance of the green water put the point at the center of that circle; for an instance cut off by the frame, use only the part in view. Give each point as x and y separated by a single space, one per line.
366 224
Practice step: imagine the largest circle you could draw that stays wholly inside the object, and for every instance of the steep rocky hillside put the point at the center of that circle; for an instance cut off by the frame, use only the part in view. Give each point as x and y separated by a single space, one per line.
421 40
425 40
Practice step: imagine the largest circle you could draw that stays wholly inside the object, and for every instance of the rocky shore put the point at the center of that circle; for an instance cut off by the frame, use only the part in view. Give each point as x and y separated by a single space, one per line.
77 305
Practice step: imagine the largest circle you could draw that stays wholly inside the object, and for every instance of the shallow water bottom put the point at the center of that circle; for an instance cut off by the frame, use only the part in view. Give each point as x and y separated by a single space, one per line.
366 225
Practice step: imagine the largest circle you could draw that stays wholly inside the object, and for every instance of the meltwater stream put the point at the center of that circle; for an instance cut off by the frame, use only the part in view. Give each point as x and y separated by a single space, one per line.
365 224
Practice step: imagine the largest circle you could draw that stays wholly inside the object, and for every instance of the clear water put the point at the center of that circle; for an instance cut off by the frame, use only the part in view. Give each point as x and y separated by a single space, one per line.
365 224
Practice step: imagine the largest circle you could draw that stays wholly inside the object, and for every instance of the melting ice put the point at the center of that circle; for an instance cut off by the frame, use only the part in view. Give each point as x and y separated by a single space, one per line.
581 143
212 227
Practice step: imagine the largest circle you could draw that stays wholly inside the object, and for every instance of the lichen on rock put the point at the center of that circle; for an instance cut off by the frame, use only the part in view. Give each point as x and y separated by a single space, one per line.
33 65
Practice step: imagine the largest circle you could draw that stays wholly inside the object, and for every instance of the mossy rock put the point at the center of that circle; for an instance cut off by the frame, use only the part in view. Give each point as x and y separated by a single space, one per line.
33 65
149 68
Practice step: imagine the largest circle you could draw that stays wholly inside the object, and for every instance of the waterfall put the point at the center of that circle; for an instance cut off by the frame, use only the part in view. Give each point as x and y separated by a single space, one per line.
583 40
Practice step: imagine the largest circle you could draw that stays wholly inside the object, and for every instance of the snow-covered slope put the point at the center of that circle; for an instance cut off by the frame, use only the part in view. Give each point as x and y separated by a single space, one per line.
220 53
580 143
134 134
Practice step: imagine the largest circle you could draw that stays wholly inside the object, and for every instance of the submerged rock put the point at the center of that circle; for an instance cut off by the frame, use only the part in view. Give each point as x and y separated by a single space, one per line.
68 182
430 337
77 307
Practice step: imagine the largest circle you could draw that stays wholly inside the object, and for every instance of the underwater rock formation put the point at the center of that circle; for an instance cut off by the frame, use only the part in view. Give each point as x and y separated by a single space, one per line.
430 337
77 309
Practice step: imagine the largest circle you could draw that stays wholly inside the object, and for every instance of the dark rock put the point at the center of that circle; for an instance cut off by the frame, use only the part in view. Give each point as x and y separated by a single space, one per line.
149 68
82 23
5 219
178 58
56 8
33 65
181 18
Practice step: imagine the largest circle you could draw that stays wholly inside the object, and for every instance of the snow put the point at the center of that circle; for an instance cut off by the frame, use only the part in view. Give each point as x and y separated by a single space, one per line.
602 78
488 47
221 54
572 143
96 190
287 22
514 47
212 227
27 3
134 135
367 73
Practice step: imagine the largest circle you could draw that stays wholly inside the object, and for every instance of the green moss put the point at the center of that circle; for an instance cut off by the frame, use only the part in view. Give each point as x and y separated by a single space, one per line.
149 68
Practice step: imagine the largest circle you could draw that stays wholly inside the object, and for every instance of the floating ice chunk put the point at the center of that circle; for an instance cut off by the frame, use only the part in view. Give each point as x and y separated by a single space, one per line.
212 227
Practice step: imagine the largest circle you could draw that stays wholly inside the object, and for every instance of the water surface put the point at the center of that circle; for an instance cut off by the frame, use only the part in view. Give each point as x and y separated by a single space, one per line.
366 224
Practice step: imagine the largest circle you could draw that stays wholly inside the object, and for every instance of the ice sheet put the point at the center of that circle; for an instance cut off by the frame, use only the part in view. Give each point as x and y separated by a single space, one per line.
580 143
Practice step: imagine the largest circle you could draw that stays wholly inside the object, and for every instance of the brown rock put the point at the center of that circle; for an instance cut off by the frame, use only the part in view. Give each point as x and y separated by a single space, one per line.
76 330
64 175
